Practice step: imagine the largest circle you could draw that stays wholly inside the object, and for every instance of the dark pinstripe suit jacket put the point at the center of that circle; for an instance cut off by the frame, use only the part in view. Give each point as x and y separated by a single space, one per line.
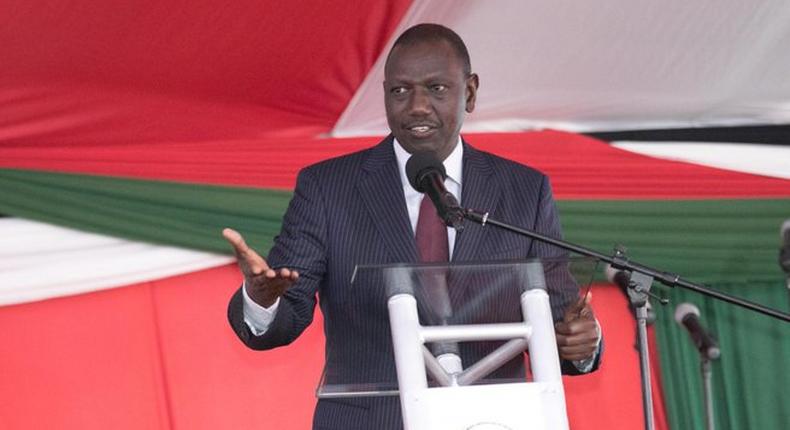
351 210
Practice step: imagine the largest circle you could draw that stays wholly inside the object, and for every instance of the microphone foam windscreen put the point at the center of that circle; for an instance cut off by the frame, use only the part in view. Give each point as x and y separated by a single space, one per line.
684 309
418 164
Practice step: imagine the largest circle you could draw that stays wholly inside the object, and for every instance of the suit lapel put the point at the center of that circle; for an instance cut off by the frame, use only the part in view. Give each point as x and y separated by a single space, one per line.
479 191
382 193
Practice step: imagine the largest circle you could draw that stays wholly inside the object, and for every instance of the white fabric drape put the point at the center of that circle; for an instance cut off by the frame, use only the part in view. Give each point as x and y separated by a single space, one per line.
40 261
614 65
766 160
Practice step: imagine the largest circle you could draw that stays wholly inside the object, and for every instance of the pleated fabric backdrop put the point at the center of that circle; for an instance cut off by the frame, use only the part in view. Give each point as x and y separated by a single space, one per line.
676 224
164 122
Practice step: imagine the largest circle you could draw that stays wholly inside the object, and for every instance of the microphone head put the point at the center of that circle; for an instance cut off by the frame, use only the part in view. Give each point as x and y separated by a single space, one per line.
421 163
610 273
618 277
784 250
683 310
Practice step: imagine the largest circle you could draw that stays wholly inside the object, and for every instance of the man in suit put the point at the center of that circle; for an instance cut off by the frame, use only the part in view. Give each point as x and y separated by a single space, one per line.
360 209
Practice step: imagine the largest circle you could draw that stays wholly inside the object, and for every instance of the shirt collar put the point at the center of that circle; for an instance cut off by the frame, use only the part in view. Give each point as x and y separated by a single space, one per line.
453 164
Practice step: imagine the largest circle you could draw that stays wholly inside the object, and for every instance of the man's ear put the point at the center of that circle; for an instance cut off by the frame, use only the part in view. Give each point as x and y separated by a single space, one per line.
472 83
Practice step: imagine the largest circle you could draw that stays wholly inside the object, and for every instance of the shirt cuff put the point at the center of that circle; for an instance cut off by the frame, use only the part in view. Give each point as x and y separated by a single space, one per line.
257 317
586 365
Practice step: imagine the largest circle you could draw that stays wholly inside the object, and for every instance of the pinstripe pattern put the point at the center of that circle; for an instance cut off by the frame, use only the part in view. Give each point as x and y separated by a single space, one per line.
351 210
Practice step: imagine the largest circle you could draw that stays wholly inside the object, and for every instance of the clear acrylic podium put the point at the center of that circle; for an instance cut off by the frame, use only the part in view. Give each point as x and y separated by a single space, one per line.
459 333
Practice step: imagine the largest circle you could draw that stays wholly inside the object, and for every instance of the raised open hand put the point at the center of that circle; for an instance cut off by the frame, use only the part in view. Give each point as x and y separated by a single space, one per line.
263 284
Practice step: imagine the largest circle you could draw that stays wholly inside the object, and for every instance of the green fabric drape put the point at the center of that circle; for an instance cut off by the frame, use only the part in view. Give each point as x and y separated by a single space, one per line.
702 240
186 215
730 244
749 380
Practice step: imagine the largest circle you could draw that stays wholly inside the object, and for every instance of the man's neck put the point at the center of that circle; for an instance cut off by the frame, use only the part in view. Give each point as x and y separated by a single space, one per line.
453 164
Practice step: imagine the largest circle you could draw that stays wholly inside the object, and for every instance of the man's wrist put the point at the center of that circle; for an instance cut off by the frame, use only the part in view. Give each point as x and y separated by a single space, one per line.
258 318
261 298
586 364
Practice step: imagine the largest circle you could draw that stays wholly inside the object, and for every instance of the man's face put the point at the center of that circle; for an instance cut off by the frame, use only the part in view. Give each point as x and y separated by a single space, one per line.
426 93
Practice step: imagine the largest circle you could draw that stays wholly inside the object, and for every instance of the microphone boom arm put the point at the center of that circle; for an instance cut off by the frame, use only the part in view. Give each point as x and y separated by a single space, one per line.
621 262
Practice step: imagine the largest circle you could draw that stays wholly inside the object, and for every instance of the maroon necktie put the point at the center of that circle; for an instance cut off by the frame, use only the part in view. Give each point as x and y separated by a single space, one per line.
433 248
431 234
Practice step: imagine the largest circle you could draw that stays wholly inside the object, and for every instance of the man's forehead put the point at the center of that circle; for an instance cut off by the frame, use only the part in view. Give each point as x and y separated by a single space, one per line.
431 48
429 59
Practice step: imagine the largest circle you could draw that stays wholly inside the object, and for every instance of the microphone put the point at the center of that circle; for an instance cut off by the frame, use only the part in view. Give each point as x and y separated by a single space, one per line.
687 315
622 278
426 174
784 251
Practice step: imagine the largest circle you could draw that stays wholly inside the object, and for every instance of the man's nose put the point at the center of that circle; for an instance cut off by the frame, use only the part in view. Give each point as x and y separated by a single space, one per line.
419 103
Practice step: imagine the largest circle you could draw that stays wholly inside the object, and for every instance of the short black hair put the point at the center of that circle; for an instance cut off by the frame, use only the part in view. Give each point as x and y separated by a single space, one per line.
430 32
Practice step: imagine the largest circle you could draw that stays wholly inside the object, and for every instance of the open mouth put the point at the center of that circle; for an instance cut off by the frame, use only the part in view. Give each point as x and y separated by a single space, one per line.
421 130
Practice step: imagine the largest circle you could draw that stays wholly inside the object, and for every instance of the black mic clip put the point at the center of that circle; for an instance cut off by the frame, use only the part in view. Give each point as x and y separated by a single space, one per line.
454 217
638 284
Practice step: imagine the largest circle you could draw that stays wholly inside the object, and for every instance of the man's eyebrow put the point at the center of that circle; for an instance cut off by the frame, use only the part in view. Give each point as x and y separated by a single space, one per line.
438 77
399 83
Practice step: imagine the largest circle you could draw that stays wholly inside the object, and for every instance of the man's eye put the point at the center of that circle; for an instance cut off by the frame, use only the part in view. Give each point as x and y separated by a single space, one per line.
439 88
398 90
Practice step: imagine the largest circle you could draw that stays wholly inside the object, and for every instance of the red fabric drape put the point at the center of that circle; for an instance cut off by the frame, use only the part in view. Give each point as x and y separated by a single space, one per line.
160 355
580 167
304 58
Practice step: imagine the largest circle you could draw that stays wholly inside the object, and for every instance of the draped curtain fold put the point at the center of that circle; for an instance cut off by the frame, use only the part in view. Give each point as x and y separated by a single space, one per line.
164 122
729 243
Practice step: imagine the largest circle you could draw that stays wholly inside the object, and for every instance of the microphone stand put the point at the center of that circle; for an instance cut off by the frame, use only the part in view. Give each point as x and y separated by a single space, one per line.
641 279
707 390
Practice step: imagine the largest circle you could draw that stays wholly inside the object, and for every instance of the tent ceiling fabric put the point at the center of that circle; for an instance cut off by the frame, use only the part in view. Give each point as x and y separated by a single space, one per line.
586 66
182 70
85 72
40 261
40 115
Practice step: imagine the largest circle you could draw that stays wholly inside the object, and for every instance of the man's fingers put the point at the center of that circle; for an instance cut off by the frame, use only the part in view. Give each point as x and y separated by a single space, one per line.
579 309
580 354
582 302
292 275
579 349
263 284
578 332
587 299
577 339
249 260
574 309
236 240
585 328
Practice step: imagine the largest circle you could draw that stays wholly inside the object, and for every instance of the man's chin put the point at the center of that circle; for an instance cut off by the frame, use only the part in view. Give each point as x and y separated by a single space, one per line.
412 145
